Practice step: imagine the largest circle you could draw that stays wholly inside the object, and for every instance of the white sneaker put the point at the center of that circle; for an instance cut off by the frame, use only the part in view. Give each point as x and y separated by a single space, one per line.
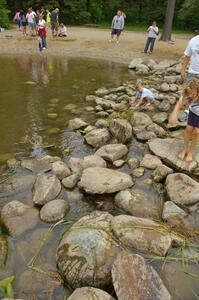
44 48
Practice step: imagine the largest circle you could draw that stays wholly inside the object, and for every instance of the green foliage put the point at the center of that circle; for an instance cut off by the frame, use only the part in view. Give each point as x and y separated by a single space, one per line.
4 14
6 286
189 13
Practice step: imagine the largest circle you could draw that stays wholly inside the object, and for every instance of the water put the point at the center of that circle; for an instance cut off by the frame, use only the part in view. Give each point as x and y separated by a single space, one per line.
30 89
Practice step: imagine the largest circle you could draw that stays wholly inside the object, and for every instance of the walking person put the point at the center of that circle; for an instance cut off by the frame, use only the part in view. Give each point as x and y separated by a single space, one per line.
153 32
31 18
23 22
55 22
117 27
17 19
191 55
42 33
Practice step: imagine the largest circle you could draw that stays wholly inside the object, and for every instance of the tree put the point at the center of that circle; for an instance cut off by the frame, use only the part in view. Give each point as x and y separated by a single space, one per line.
166 34
4 14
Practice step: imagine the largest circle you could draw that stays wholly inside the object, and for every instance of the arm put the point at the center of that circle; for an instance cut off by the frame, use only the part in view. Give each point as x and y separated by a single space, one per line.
173 117
185 63
122 23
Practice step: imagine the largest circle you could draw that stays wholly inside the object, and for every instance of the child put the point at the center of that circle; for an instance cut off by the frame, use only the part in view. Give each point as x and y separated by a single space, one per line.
63 31
42 33
190 97
144 96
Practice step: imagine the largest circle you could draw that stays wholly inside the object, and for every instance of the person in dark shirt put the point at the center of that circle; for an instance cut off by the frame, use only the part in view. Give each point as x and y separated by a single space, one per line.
55 22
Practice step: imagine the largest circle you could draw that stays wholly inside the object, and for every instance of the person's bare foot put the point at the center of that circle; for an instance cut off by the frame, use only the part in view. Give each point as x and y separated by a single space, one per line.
182 155
189 158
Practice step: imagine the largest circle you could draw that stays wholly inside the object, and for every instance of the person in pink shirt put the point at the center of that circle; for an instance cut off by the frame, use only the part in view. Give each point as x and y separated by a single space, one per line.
17 19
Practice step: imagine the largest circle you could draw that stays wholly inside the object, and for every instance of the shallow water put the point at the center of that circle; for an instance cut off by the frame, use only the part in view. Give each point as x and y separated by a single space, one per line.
30 89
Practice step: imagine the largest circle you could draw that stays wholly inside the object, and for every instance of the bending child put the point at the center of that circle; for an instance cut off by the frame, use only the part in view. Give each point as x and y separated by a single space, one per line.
190 98
144 96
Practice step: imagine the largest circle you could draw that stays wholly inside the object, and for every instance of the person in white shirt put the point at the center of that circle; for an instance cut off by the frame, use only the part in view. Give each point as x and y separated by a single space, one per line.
42 33
31 18
191 55
117 26
153 32
63 31
144 96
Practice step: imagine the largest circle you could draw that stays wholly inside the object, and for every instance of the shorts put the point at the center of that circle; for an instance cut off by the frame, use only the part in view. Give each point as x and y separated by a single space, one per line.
31 25
193 119
54 25
116 32
151 99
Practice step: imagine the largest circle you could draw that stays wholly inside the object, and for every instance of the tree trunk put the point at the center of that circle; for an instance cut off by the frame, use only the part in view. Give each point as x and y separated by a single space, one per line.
166 34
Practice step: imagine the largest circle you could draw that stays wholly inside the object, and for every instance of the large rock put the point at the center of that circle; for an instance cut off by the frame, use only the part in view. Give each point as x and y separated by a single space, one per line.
37 165
60 169
135 62
112 152
89 293
145 235
150 162
19 217
46 188
54 211
77 124
97 137
182 189
158 130
164 87
160 118
138 204
133 278
121 130
86 252
164 106
104 181
168 150
140 118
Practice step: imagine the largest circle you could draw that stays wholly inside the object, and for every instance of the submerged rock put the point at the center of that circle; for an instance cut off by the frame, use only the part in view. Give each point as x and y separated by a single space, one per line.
135 62
145 235
104 181
77 124
89 293
54 211
133 278
112 152
97 137
182 189
17 185
168 150
37 165
86 252
46 188
121 130
19 217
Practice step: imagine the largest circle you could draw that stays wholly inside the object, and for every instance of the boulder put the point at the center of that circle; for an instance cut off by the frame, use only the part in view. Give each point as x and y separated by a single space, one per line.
150 162
54 211
134 278
145 235
104 181
142 69
19 217
139 204
101 123
161 172
60 169
164 87
135 62
182 189
158 130
76 124
145 136
160 118
89 293
112 152
37 165
47 187
164 106
121 130
93 161
71 181
86 252
168 150
16 185
140 118
97 137
173 213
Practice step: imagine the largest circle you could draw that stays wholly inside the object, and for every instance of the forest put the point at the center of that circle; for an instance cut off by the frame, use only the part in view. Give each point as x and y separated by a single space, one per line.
139 12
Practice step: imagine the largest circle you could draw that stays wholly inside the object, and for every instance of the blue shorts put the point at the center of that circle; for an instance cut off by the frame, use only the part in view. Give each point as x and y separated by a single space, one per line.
31 25
116 32
193 119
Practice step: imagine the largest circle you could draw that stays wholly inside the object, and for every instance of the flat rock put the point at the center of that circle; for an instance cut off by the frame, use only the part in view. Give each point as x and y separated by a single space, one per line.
144 235
104 181
182 189
150 162
86 252
47 187
77 124
60 169
133 278
112 152
19 217
121 130
89 293
168 150
97 137
37 165
54 211
138 204
17 185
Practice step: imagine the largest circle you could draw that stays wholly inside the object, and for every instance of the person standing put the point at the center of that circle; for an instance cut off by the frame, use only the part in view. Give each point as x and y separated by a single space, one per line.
17 19
31 18
54 16
191 55
42 33
153 32
23 22
117 27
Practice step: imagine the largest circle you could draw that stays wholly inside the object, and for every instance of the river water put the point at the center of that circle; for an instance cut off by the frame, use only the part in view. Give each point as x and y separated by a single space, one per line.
31 88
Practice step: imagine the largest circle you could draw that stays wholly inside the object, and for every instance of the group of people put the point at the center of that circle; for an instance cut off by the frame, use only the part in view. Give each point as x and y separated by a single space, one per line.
39 22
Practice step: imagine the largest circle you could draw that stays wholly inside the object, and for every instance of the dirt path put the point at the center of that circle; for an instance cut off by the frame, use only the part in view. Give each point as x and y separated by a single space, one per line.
92 43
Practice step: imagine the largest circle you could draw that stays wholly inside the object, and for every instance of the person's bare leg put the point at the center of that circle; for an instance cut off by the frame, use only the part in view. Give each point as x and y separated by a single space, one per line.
187 137
195 140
